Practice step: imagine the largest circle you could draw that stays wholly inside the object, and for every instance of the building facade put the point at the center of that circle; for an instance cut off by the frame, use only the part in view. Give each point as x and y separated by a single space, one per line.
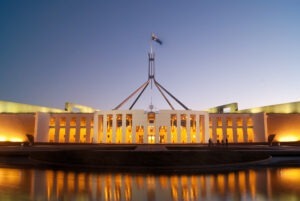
85 125
238 128
138 126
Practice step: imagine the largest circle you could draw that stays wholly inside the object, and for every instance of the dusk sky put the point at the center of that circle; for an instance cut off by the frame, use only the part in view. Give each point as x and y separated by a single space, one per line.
94 53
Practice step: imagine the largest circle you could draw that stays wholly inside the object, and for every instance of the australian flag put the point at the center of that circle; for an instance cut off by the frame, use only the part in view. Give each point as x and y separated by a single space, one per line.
155 38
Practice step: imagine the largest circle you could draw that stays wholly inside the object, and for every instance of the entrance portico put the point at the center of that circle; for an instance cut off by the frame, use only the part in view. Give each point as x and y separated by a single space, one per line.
138 126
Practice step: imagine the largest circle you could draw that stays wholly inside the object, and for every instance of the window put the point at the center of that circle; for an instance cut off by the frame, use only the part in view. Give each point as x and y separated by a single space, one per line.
219 121
73 121
82 121
128 120
229 121
193 122
173 120
151 117
63 121
183 120
239 121
119 120
52 121
249 121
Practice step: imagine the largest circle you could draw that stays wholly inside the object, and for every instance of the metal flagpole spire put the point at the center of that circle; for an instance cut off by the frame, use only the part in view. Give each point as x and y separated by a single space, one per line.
151 80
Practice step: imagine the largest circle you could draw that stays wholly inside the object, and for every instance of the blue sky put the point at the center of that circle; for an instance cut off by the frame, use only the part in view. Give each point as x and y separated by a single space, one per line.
95 52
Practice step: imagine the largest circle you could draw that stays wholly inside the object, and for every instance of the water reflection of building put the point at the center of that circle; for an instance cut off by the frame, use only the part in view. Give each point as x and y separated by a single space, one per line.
263 184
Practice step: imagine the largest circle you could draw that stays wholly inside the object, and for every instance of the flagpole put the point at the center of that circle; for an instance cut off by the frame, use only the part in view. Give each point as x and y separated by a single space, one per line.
152 80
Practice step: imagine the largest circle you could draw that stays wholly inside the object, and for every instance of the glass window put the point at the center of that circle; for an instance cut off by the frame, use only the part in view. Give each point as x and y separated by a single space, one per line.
249 121
119 120
173 120
128 120
229 121
239 121
219 121
73 121
183 120
151 117
63 121
82 121
52 121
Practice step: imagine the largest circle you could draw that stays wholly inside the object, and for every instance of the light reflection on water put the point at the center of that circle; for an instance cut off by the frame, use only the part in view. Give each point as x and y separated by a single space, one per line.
50 185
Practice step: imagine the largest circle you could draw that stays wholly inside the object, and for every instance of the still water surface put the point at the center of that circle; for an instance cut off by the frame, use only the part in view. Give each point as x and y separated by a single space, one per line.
49 185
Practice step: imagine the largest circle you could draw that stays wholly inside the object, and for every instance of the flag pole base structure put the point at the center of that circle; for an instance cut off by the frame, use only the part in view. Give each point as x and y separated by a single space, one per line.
151 80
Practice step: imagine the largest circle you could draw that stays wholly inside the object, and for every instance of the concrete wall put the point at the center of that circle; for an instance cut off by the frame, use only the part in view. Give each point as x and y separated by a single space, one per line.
285 126
14 127
41 127
260 126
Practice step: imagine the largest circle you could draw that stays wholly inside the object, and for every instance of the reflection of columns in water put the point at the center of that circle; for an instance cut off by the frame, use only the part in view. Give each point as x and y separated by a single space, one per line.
252 183
269 184
150 186
57 185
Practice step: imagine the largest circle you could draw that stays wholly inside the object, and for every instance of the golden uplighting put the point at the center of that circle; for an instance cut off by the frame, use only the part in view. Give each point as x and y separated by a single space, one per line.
288 138
10 139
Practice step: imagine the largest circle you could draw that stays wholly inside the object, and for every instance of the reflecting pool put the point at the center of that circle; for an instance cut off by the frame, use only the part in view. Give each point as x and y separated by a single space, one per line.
50 185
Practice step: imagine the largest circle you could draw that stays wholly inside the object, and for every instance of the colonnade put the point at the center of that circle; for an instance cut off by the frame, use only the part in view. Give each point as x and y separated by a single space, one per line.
138 126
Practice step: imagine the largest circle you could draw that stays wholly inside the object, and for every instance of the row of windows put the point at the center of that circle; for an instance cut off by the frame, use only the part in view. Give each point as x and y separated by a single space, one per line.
151 119
231 135
229 121
72 121
70 135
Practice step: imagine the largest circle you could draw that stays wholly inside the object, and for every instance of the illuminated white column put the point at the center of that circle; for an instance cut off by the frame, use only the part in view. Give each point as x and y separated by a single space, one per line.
234 130
124 128
57 127
206 127
114 128
198 137
104 137
188 128
145 137
214 129
245 130
96 128
67 134
224 128
133 131
88 130
178 128
77 132
157 140
41 130
169 140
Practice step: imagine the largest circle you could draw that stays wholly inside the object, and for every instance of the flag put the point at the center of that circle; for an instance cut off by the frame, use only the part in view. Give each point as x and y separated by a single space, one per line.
155 38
